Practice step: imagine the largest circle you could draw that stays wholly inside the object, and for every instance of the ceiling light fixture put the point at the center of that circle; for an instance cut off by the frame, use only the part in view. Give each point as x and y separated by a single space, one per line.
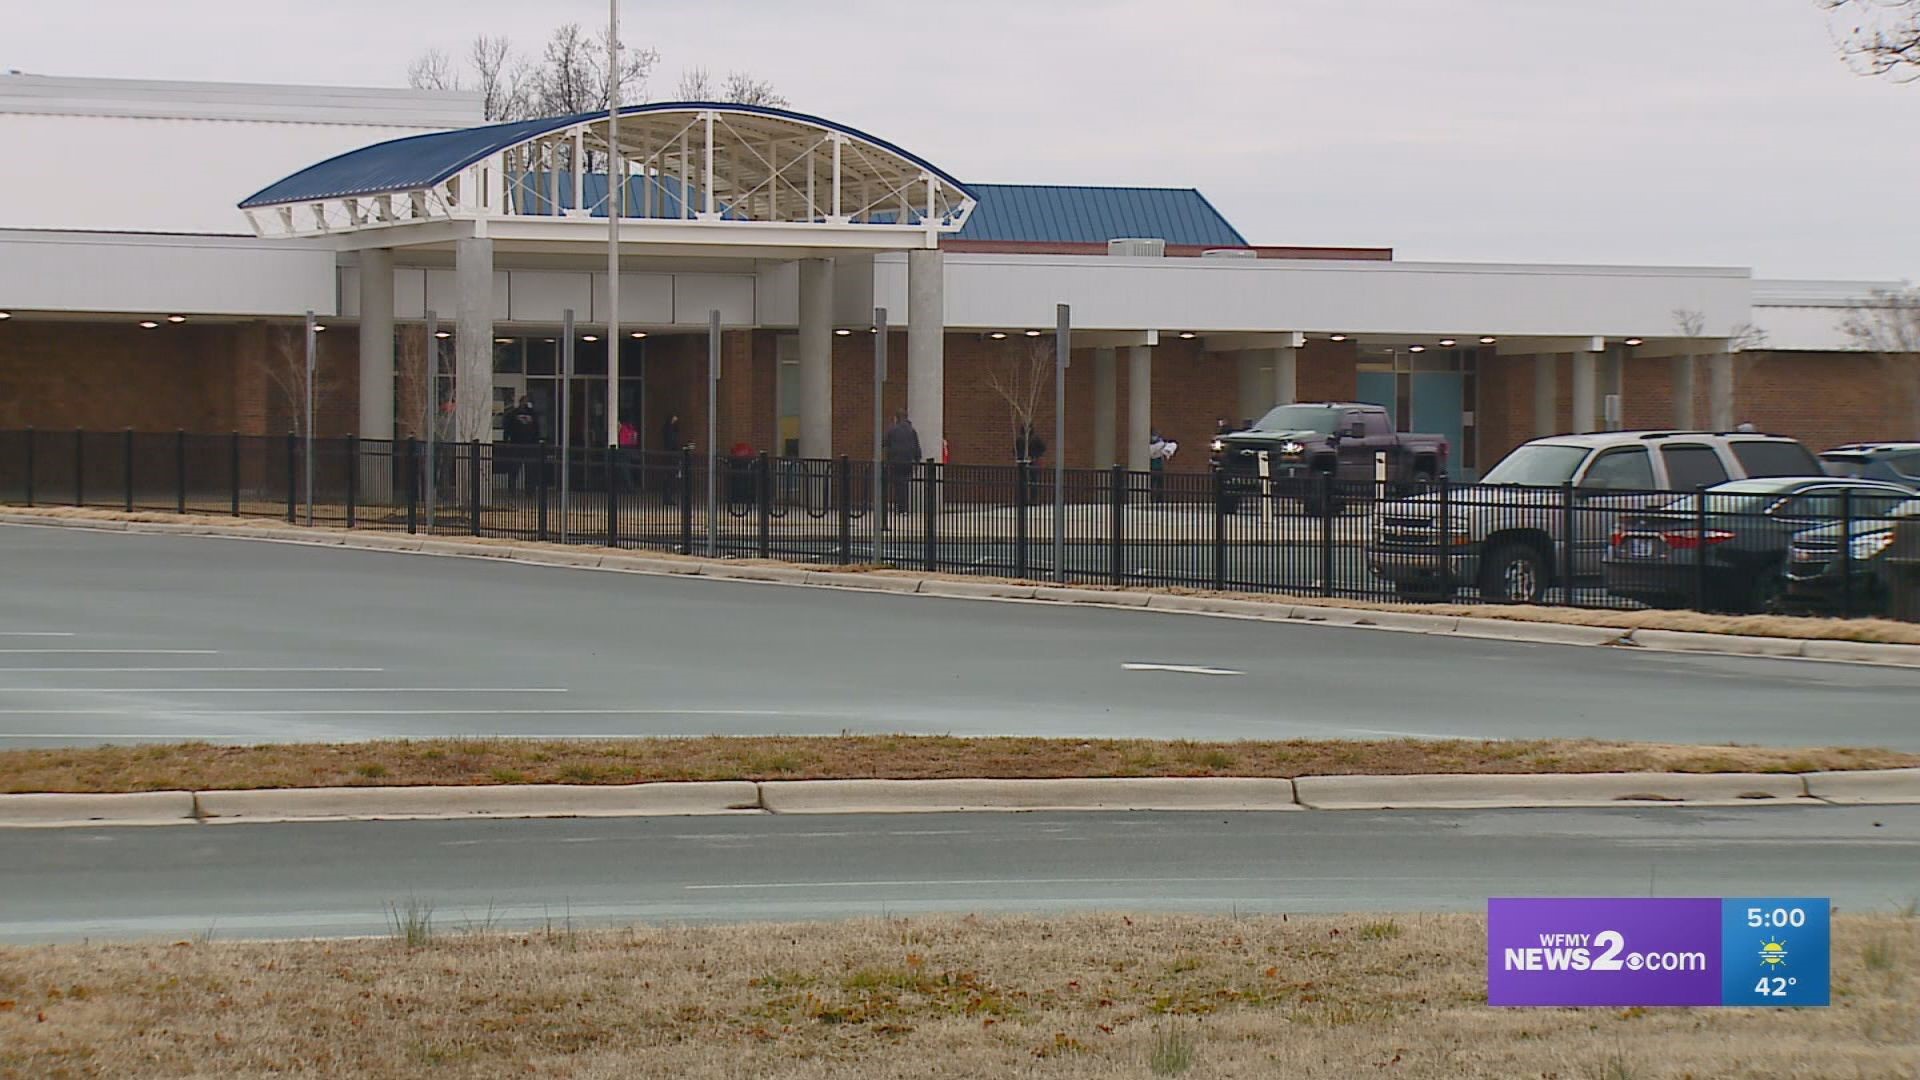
1418 348
1033 333
842 332
148 324
503 341
1446 343
1187 335
998 335
1488 340
176 318
442 334
1635 341
4 315
1338 337
319 326
589 337
639 334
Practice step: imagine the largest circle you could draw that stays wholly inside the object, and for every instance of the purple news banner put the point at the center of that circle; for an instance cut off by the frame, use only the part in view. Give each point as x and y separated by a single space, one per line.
1752 951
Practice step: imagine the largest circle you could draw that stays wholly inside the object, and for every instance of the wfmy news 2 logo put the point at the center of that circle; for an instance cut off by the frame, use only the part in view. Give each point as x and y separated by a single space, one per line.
1758 951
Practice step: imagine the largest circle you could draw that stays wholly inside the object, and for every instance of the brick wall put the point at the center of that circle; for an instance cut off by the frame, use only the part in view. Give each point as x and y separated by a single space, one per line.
1825 398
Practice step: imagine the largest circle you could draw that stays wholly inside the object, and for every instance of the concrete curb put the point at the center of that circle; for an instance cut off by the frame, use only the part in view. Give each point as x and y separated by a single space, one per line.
1468 791
136 808
953 796
505 800
1360 618
1875 786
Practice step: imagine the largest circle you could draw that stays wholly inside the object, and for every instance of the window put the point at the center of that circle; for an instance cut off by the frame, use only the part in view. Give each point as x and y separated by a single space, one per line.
1538 465
1775 457
1907 465
1628 469
1691 465
1317 419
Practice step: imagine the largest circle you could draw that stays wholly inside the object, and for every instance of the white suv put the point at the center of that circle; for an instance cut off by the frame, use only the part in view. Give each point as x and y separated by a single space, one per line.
1543 515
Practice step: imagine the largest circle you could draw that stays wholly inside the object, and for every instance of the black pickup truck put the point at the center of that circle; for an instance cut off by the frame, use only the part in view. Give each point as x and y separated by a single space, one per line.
1306 442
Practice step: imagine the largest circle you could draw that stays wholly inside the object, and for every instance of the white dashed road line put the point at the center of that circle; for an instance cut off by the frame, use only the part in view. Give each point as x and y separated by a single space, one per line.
1184 669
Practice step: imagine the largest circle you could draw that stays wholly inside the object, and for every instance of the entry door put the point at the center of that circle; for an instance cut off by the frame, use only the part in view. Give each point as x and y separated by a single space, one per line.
1439 408
1379 388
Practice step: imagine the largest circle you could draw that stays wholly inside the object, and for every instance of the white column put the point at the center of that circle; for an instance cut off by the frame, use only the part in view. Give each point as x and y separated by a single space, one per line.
376 344
1139 405
473 339
1546 394
1720 391
1255 371
1586 384
816 358
926 345
1683 392
1286 377
1106 403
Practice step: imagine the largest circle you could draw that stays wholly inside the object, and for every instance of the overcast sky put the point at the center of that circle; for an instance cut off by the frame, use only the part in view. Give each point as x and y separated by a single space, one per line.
1706 132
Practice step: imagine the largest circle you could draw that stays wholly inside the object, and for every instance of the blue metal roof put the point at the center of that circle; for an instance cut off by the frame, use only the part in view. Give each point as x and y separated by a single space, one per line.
1094 215
419 161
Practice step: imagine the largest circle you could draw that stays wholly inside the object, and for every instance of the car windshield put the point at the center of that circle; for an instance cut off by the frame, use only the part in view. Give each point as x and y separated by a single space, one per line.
1844 465
1315 418
1538 465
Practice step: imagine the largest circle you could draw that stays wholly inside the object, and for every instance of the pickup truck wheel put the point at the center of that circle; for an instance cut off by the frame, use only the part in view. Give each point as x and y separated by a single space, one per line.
1514 573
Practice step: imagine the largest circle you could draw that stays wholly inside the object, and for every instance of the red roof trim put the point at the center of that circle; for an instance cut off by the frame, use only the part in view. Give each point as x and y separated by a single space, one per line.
1264 251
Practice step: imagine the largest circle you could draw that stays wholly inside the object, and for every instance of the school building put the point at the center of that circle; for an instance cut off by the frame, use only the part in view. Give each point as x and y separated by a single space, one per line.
157 267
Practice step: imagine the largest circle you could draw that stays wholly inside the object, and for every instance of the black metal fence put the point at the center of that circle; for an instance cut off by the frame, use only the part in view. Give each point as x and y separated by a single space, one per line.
1837 552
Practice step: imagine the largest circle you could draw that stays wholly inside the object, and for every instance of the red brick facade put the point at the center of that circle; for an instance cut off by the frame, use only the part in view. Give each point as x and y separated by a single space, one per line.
246 377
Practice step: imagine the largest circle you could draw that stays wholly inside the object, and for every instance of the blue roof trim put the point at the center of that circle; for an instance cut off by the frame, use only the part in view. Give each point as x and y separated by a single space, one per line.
1047 213
417 161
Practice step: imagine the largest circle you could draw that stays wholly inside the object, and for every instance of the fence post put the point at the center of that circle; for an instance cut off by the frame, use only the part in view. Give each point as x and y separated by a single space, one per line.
180 471
233 472
929 515
79 467
1328 509
1700 548
1219 529
1116 538
763 503
473 486
613 496
1846 553
126 467
1024 472
413 484
686 501
540 478
1445 539
1569 523
842 482
353 478
293 474
29 466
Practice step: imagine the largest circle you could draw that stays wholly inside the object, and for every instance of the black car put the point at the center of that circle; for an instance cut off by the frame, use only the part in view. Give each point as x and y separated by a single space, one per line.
1664 558
1836 568
1894 462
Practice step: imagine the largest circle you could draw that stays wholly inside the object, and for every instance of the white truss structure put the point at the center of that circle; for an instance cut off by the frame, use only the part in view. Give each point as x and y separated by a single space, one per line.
730 169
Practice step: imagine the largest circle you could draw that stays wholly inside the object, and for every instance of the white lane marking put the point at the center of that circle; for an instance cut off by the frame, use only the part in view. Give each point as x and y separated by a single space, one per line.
6 670
116 652
283 690
1184 669
36 633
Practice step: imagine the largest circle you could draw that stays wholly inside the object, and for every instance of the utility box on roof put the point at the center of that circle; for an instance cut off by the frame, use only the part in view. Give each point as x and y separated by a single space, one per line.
1137 247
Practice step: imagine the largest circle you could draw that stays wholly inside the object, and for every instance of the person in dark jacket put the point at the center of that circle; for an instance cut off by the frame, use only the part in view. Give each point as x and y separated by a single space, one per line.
670 473
900 446
520 426
1028 449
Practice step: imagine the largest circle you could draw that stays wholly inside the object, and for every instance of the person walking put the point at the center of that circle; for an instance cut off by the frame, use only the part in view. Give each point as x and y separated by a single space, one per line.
1159 453
900 447
670 444
629 437
520 427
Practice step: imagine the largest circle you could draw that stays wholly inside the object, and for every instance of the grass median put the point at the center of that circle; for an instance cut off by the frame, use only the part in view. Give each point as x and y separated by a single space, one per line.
1071 997
200 766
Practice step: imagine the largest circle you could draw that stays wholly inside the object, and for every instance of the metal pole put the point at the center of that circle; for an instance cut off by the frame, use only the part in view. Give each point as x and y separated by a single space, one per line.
614 210
1062 356
311 344
879 454
566 426
431 431
713 424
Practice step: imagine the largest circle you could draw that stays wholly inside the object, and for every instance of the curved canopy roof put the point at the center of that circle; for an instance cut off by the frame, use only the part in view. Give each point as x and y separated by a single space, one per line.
685 160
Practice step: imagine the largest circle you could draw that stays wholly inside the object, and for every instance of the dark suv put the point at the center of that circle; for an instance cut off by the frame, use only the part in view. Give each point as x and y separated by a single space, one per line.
1839 566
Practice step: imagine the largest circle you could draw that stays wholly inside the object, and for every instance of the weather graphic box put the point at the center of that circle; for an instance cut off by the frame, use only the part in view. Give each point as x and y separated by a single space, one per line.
1760 951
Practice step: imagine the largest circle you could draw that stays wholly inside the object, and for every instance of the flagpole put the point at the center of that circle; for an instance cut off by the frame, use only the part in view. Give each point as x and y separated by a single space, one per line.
615 206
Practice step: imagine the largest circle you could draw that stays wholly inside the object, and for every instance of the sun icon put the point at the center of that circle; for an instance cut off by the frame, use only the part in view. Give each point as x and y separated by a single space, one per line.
1773 954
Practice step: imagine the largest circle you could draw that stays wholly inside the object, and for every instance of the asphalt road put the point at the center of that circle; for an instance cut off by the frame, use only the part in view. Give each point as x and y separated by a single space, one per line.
121 637
251 881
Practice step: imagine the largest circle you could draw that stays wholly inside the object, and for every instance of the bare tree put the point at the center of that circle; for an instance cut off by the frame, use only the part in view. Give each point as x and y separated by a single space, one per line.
1883 38
1021 378
740 88
431 70
501 76
696 84
1887 325
572 75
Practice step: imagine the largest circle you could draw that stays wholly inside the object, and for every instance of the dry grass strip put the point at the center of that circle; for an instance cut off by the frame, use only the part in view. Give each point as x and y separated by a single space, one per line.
1071 998
1878 631
205 766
